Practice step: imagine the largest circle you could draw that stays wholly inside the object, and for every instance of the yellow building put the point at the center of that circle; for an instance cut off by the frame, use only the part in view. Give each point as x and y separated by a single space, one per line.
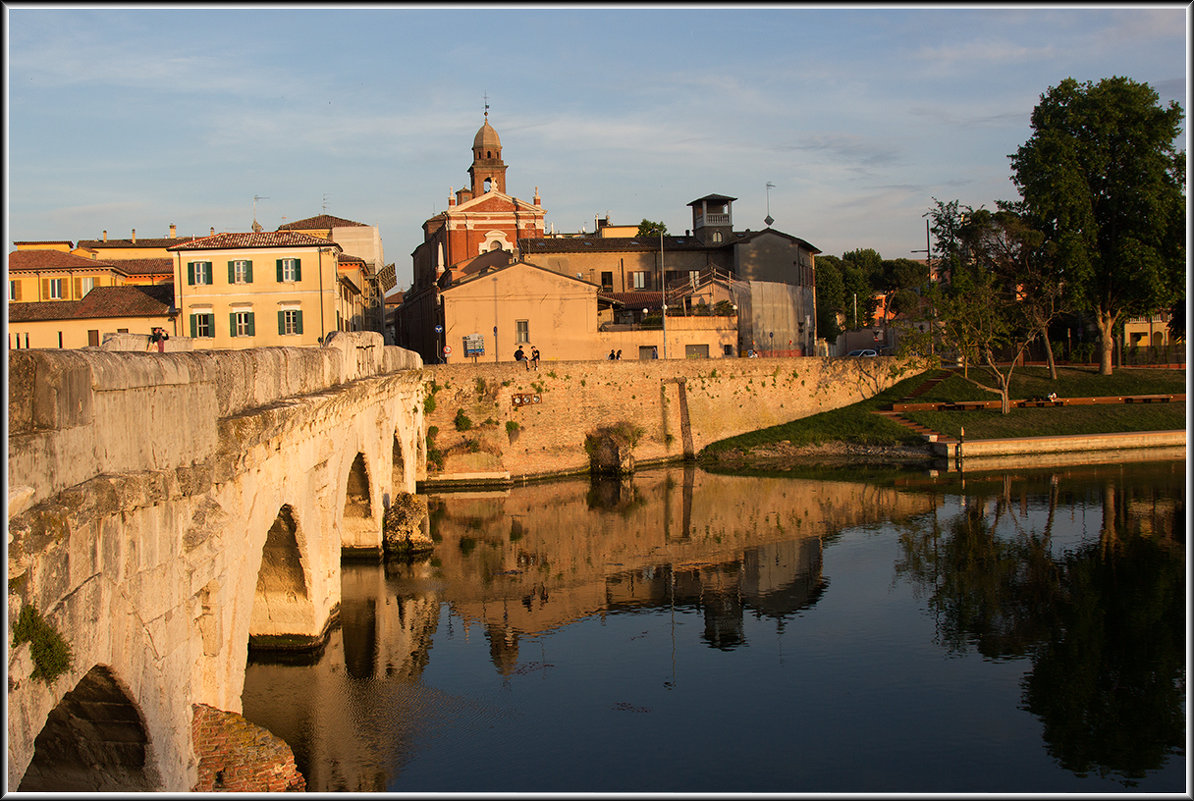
84 323
368 277
257 289
50 274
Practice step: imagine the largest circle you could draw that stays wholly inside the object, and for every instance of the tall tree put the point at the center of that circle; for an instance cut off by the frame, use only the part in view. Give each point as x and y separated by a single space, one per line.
830 294
650 228
1102 179
1000 296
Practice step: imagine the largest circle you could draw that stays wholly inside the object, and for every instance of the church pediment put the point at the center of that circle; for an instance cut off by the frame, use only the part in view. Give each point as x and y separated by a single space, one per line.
495 202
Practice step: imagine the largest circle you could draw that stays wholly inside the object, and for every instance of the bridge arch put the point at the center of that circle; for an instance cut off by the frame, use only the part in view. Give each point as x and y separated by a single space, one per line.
359 530
282 604
94 740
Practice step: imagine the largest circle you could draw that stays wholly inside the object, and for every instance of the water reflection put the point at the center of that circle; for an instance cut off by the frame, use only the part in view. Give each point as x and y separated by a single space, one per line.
1076 575
1102 620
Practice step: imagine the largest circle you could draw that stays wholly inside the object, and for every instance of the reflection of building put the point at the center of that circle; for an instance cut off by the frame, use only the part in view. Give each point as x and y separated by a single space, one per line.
546 555
774 580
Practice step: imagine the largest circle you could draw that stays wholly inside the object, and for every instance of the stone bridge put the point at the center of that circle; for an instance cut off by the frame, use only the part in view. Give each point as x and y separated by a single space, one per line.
165 510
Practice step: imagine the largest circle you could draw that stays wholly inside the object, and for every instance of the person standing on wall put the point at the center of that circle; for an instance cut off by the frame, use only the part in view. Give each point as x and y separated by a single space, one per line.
158 336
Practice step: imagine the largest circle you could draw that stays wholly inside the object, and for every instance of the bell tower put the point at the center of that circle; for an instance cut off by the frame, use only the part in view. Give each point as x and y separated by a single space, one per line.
488 172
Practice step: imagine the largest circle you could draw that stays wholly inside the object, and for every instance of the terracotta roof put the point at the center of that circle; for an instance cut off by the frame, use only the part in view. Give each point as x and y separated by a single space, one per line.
612 244
102 301
42 242
346 258
161 242
714 198
45 310
145 266
52 260
264 239
320 221
635 300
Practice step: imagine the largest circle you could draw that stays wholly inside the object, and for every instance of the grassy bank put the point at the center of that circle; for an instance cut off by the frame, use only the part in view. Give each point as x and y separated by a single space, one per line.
1055 421
1072 382
858 425
855 424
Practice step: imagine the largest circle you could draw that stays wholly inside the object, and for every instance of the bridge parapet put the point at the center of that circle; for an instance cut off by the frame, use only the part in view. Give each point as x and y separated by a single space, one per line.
74 414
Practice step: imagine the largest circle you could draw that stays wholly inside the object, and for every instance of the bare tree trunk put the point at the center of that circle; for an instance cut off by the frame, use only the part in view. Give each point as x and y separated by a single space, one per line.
1049 357
1105 320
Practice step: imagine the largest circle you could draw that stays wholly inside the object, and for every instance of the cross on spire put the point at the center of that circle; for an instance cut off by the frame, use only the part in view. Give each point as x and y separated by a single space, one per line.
486 96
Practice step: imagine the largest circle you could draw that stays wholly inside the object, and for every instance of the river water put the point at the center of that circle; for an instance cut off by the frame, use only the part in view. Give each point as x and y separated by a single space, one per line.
686 632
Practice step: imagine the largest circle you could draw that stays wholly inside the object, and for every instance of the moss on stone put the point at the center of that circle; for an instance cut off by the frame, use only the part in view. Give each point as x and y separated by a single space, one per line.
51 654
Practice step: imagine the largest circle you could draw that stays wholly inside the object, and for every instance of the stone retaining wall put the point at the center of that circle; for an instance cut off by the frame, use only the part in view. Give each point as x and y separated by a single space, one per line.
503 421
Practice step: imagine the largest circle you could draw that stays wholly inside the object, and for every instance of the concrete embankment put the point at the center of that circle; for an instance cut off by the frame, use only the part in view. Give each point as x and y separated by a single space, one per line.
1068 449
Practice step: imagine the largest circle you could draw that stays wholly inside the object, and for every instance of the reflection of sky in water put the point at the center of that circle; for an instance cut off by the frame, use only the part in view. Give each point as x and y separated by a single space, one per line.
833 680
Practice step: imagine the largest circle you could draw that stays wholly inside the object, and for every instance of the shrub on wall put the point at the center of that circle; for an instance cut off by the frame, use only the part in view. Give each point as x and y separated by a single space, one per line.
51 655
462 421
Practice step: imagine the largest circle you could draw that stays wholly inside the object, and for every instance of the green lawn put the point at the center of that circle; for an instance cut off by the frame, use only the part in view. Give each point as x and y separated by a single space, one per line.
857 423
854 423
1056 420
1072 382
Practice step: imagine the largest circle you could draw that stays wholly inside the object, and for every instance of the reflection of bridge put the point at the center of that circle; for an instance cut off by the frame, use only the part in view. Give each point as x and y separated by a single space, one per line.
166 508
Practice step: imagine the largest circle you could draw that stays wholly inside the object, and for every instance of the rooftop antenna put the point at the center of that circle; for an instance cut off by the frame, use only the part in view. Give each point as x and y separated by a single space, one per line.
257 225
325 202
768 220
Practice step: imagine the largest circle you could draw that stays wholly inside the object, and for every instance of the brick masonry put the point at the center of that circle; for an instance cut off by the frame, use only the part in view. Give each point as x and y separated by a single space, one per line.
240 757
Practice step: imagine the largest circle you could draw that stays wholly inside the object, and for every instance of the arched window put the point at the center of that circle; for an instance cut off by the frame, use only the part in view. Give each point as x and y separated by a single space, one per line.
488 184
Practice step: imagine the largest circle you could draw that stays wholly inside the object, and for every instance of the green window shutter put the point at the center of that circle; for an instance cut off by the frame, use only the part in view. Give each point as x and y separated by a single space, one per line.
194 325
191 273
232 272
281 322
279 265
252 328
298 322
248 272
298 269
211 324
232 323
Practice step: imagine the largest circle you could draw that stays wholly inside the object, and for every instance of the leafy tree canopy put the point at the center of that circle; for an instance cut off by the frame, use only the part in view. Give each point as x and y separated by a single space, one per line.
1102 180
650 228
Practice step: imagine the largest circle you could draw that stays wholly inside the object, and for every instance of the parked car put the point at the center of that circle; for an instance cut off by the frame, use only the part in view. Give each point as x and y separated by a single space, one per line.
863 352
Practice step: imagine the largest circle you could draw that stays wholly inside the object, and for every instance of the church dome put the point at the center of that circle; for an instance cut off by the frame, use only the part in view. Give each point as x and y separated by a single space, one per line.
486 138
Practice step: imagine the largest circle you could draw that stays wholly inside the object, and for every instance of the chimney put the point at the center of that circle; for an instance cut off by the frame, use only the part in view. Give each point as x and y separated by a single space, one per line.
105 235
538 202
451 197
134 236
173 231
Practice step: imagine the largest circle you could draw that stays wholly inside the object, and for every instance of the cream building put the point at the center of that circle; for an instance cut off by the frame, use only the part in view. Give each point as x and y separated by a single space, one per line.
257 289
84 323
489 314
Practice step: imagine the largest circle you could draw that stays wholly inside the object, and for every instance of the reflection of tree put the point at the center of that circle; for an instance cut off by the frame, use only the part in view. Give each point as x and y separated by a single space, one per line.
985 591
1109 683
1103 625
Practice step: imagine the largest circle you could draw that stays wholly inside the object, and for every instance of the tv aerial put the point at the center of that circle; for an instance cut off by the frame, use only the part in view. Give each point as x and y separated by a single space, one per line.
768 219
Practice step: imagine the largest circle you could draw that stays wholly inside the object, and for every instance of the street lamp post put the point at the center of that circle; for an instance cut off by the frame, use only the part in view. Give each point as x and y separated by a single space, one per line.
663 292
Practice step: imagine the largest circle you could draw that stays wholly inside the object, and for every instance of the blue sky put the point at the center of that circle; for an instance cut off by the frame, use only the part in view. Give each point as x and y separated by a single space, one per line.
142 117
